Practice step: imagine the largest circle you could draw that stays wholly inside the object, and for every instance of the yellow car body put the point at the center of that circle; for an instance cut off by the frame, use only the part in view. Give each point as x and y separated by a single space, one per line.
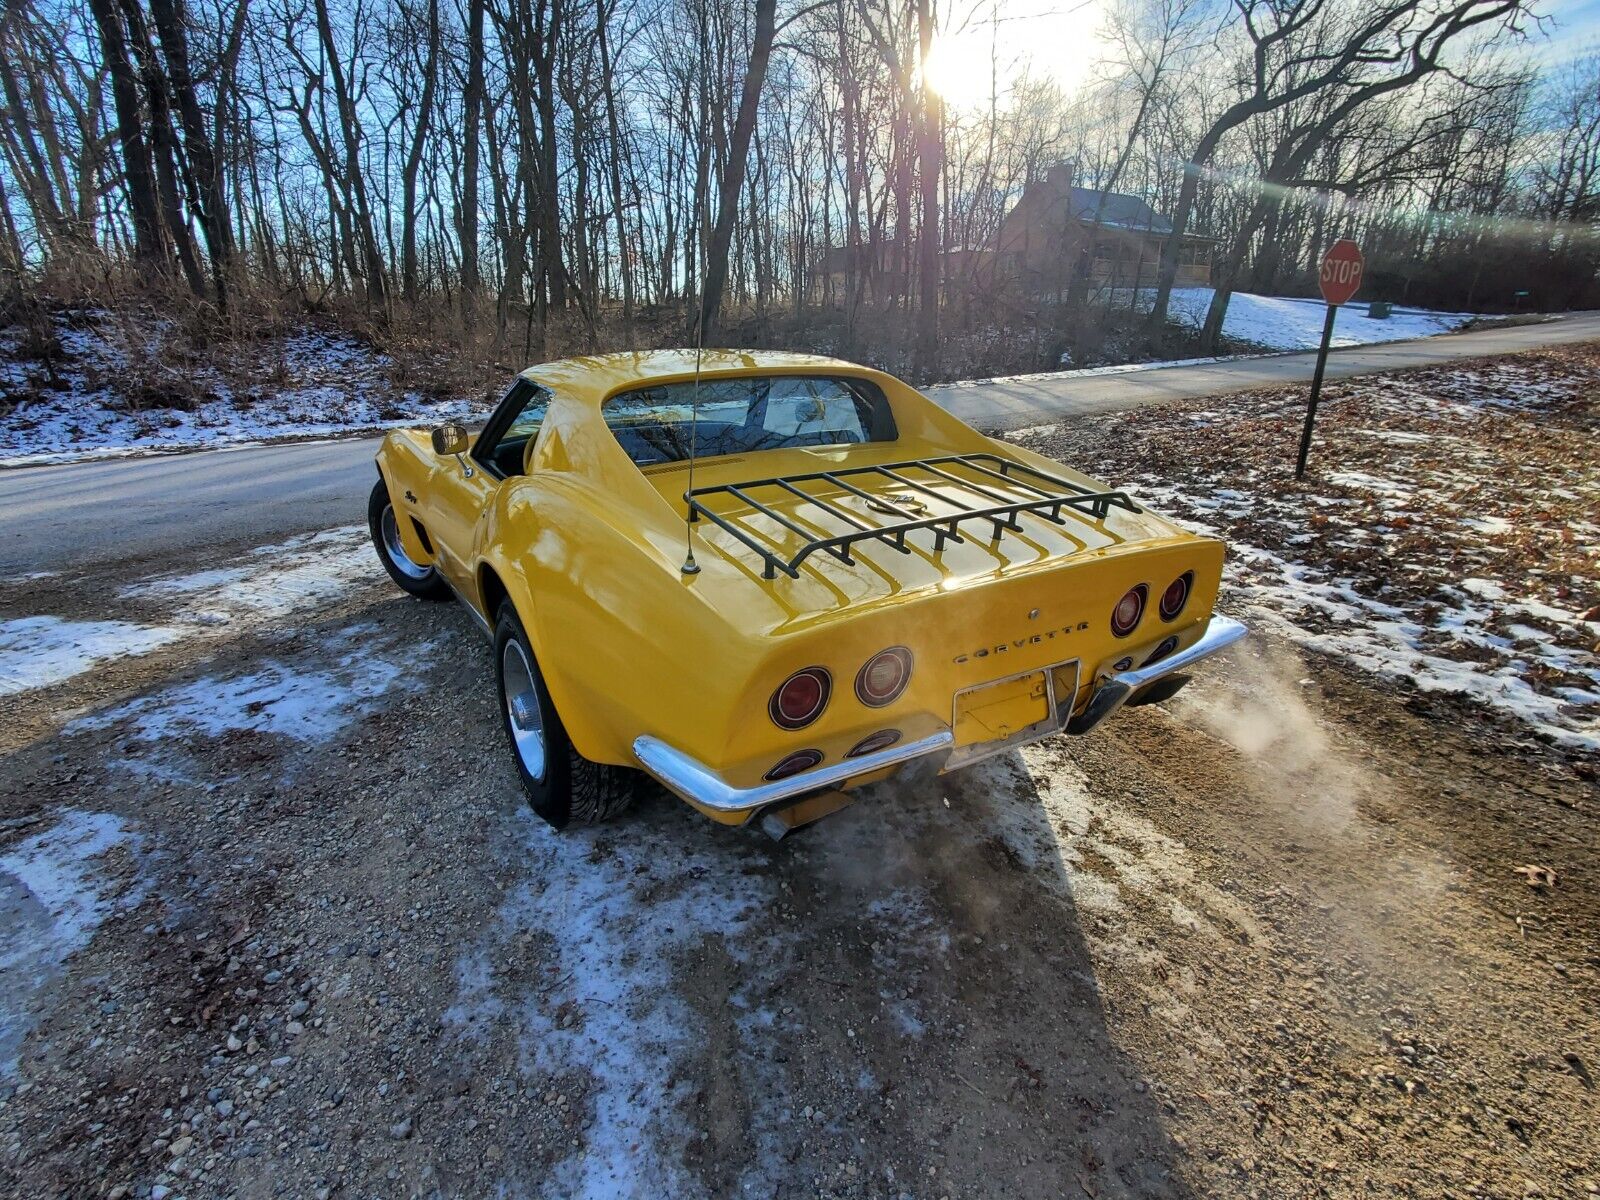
674 671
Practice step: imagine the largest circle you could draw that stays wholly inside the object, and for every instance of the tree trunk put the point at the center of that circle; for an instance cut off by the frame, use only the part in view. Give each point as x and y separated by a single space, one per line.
467 212
206 169
614 171
930 152
716 267
413 164
139 178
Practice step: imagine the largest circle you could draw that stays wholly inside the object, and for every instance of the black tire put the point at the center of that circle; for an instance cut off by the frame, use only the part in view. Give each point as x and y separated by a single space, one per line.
566 788
424 582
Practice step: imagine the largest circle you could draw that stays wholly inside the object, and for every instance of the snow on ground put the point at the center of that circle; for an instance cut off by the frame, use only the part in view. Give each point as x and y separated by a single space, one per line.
278 580
120 388
1446 536
621 911
54 894
1284 323
267 583
1277 324
311 703
37 652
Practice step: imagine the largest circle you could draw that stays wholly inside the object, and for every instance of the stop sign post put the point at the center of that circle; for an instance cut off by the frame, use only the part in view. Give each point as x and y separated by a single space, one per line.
1342 267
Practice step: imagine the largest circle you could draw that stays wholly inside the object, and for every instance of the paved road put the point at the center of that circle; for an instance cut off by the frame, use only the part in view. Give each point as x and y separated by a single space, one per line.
1028 401
88 513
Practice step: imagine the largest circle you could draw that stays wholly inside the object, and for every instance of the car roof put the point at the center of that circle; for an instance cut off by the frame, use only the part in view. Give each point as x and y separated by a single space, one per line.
594 377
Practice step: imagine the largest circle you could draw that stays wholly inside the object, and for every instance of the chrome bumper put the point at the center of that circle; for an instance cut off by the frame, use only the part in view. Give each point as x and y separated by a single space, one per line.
1117 688
701 785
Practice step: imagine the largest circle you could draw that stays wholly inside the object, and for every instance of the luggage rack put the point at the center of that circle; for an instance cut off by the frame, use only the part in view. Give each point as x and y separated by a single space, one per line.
1051 496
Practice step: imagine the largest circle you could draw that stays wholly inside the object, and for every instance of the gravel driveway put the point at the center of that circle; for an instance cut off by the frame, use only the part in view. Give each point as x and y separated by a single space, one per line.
275 921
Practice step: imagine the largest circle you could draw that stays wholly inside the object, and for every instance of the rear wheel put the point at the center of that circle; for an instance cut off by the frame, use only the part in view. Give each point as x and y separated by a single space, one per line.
562 786
419 579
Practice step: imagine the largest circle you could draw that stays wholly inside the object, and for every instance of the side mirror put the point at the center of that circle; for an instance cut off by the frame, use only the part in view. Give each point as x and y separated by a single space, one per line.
450 438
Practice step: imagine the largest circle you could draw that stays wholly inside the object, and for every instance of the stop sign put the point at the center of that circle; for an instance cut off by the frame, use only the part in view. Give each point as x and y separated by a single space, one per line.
1341 271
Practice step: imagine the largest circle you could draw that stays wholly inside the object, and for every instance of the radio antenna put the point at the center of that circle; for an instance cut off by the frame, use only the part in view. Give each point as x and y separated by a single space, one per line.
690 567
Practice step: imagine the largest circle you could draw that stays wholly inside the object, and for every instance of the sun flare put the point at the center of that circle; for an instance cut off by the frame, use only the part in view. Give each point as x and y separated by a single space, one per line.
985 56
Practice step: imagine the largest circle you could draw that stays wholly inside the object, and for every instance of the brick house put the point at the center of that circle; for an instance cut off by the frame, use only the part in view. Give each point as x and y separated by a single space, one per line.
1053 227
1041 239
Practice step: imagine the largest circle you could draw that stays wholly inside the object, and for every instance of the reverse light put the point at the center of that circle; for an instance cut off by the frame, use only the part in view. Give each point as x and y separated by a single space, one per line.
800 760
800 698
873 742
883 677
1176 596
1125 616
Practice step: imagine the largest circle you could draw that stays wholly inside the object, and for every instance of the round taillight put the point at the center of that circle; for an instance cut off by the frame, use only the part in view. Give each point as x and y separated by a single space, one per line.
883 677
800 760
800 698
1167 646
1125 617
874 742
1176 596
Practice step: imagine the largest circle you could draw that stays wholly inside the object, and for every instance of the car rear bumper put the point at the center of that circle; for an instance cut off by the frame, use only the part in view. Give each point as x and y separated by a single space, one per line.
706 790
703 787
1118 688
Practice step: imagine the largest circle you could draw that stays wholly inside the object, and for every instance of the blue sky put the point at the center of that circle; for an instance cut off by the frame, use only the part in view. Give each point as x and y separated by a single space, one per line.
1577 27
1061 39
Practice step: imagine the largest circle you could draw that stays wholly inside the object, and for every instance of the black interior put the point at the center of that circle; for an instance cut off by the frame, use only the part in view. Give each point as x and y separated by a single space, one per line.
650 444
507 456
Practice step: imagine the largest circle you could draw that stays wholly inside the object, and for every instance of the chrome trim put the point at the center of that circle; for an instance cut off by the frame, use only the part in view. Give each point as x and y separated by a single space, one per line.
1115 688
698 783
478 617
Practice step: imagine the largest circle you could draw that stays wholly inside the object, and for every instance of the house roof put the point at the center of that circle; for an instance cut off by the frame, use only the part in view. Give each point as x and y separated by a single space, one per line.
1121 211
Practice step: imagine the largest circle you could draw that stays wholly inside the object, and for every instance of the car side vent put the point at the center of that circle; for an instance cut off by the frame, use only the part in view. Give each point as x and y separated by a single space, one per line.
423 534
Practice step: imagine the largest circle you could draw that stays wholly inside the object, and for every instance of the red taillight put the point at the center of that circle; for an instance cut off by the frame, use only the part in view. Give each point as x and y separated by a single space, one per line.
800 760
800 698
883 677
874 742
1125 617
1176 596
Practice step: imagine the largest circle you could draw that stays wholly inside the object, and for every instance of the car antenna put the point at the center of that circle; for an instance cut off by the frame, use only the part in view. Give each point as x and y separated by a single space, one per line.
690 567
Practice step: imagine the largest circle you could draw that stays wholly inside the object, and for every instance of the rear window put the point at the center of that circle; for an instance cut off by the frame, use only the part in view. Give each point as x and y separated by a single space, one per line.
658 424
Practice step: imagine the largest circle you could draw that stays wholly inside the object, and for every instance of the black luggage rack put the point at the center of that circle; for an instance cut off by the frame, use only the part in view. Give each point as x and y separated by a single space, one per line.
1051 495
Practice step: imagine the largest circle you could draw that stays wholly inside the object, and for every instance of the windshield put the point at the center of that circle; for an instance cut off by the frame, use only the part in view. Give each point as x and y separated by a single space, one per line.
658 424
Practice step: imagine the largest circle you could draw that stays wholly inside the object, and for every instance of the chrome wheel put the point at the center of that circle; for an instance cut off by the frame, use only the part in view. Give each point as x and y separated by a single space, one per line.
523 713
396 549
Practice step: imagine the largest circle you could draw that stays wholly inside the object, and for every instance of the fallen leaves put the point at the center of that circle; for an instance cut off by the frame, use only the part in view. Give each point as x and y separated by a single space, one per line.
1536 876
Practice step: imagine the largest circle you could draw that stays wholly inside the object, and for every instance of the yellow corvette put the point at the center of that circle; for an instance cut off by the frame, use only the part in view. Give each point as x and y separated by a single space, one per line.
767 578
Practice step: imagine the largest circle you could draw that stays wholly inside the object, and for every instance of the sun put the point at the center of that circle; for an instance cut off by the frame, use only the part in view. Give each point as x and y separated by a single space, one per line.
986 55
959 69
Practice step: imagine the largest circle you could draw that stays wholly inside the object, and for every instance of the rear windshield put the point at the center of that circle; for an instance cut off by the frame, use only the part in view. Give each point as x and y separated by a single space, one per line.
658 424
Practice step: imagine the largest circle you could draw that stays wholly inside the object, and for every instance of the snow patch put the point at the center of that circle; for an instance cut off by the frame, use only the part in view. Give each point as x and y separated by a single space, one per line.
53 896
292 576
1295 323
309 704
618 912
37 652
308 384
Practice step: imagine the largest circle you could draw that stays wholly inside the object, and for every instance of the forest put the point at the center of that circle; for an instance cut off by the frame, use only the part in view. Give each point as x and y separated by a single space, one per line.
530 177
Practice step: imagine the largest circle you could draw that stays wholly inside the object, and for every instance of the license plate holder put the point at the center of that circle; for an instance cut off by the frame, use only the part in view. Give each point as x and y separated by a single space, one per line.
994 716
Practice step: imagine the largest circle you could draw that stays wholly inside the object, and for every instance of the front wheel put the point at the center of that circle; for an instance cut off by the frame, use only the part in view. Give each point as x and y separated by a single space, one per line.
418 579
561 785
